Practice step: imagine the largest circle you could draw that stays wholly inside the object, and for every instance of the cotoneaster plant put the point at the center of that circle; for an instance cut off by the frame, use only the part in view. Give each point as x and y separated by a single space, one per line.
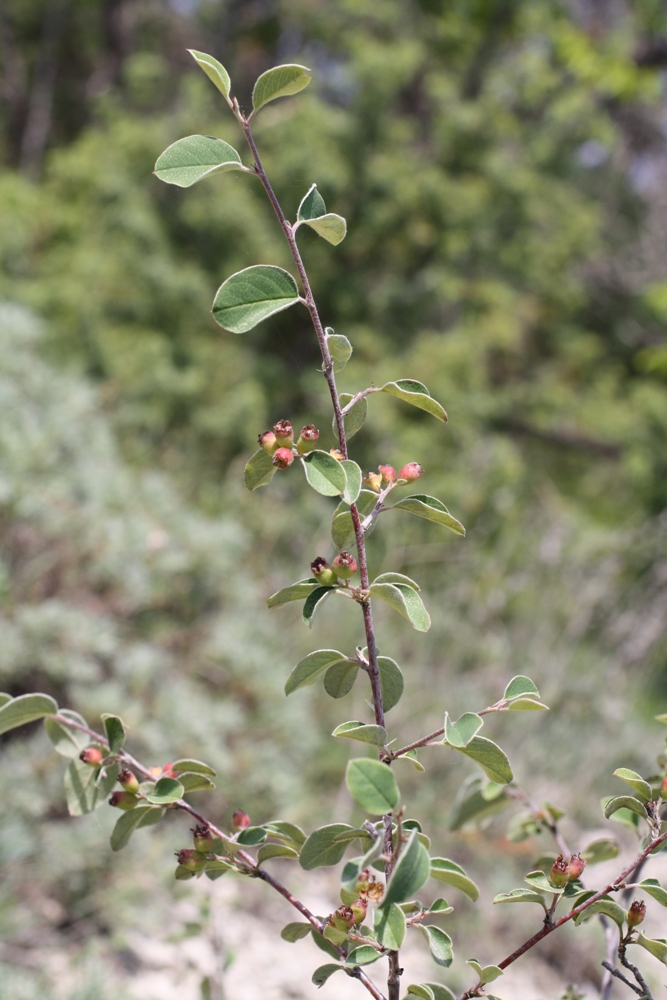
390 862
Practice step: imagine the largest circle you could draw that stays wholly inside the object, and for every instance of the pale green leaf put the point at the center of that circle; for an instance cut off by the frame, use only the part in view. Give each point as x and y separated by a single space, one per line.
656 946
635 781
431 509
400 578
624 802
342 527
188 160
538 881
259 470
286 831
372 786
321 849
66 741
130 821
312 212
520 686
281 81
389 924
486 973
115 731
310 667
376 735
452 874
603 849
391 682
4 698
362 955
421 990
214 70
654 889
606 906
195 766
415 393
459 734
313 602
325 972
196 782
354 477
410 872
295 592
340 679
86 788
269 851
252 295
355 419
439 943
521 896
340 349
406 601
527 705
26 708
325 473
295 931
490 758
166 790
438 991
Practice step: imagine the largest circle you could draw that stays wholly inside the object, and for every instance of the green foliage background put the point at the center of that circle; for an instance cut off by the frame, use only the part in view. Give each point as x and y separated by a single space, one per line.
500 166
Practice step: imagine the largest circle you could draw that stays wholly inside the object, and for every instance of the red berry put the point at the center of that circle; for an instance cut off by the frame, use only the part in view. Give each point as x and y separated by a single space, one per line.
410 472
283 458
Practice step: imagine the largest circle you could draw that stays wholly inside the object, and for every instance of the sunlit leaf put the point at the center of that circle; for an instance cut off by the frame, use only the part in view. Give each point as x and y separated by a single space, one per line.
325 473
415 393
372 786
321 849
281 81
431 509
190 159
259 470
214 70
252 295
310 667
452 874
26 708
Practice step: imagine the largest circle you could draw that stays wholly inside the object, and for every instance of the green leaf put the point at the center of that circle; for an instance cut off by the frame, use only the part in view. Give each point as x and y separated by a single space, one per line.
340 349
252 295
487 973
490 758
182 874
431 509
85 788
339 679
355 419
538 881
67 742
166 790
452 874
313 212
389 923
412 757
422 990
436 991
661 718
391 682
527 705
606 906
624 802
363 955
654 889
398 578
310 667
521 896
603 849
115 731
635 781
354 476
325 972
406 601
325 473
4 698
520 686
295 931
459 734
320 848
196 782
259 470
415 393
473 803
313 602
214 70
194 766
269 851
189 160
410 872
342 528
624 816
372 786
252 836
286 831
26 708
439 943
130 821
350 835
325 945
656 946
440 906
281 81
377 735
296 592
217 868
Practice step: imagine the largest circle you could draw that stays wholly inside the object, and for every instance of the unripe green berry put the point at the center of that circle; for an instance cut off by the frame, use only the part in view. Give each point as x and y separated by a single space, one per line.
123 800
344 565
284 433
268 442
129 781
190 859
323 572
307 439
202 838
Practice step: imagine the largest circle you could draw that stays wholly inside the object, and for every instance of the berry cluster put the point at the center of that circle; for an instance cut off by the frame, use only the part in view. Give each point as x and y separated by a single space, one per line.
279 443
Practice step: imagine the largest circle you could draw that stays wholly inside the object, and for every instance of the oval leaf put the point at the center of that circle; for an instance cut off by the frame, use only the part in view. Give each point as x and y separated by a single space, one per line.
129 822
415 393
166 790
188 160
527 705
67 742
486 973
410 872
310 667
521 896
295 931
406 601
624 802
340 349
490 758
372 786
353 486
452 874
520 686
604 849
430 508
115 731
313 602
296 592
654 889
325 972
376 735
657 948
339 679
259 470
252 295
397 578
635 781
269 851
330 227
325 473
321 849
439 943
194 766
389 924
354 420
86 788
606 906
363 955
459 734
26 708
281 81
214 70
538 881
391 682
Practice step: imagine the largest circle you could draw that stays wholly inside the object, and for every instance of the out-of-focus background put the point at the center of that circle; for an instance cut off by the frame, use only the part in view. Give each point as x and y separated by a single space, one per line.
502 168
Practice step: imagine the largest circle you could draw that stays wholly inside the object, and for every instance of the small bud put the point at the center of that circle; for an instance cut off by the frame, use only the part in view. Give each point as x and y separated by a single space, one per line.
168 771
663 789
636 913
337 454
92 756
129 781
374 481
359 908
283 458
284 434
559 875
203 839
577 865
123 800
307 438
410 472
268 442
323 572
388 473
344 565
240 820
190 859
